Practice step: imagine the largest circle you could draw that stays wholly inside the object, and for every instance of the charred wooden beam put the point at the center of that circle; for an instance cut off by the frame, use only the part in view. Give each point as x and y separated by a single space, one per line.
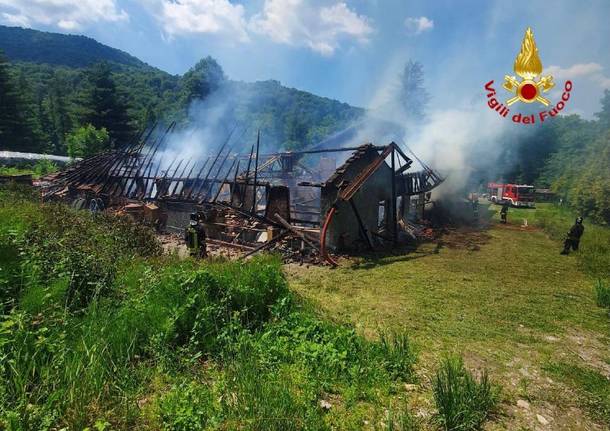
214 163
309 184
298 233
363 230
224 180
258 140
198 177
179 178
266 245
361 178
211 184
230 244
393 204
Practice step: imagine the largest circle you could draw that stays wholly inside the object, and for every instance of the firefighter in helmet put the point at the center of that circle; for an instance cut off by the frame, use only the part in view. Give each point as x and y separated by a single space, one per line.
504 211
474 199
573 237
195 237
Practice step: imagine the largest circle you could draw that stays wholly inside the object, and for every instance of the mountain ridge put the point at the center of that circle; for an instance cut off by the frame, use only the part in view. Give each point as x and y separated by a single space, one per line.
57 49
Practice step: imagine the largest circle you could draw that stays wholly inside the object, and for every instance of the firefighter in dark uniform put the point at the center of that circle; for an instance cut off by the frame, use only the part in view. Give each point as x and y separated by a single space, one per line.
195 237
504 211
573 236
474 199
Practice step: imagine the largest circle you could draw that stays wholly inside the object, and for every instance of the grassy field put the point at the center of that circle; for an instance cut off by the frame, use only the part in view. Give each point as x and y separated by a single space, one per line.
99 330
505 299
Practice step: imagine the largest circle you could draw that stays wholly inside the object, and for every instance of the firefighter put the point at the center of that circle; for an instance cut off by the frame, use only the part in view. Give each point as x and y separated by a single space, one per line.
573 236
475 207
195 237
504 212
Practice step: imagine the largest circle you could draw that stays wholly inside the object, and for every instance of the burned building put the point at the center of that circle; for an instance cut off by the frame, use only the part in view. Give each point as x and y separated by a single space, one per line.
256 201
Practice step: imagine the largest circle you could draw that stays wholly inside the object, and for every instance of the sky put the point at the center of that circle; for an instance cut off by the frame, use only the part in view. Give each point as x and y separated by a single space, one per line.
350 50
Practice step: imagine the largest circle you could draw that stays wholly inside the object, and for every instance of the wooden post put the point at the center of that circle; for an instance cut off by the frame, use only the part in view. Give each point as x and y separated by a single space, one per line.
225 180
394 219
363 230
242 195
258 140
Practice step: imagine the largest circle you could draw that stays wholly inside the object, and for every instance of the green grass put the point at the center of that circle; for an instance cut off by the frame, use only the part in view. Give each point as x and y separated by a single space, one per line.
97 328
512 303
463 402
592 386
594 252
602 294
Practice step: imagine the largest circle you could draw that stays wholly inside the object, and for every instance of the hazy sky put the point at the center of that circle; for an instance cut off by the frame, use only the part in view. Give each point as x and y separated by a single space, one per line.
348 50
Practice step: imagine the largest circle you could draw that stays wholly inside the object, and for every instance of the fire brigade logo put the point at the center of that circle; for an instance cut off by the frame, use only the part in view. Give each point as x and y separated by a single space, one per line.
530 88
528 66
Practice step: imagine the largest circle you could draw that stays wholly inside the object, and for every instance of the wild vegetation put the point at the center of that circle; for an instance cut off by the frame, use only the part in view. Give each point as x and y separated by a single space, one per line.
98 328
37 169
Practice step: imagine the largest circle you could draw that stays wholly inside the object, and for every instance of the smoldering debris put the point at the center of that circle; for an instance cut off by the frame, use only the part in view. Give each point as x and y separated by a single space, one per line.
299 203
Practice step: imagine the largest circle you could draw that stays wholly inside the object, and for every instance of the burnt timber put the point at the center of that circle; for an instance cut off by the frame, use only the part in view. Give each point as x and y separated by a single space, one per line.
255 200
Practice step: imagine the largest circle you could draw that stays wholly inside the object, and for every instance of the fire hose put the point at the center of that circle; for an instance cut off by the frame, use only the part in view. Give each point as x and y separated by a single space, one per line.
323 251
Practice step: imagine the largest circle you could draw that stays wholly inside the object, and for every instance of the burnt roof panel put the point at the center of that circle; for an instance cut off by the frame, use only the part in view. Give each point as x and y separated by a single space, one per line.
363 150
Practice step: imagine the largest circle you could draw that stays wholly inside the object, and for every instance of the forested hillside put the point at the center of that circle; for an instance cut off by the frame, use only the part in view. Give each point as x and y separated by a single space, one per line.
22 44
57 84
51 103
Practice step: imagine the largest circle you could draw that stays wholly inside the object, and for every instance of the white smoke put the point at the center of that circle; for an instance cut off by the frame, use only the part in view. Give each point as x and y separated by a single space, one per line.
455 141
209 125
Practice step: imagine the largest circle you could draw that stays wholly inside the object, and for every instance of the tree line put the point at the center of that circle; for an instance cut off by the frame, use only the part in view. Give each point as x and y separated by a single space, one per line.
570 155
75 111
78 112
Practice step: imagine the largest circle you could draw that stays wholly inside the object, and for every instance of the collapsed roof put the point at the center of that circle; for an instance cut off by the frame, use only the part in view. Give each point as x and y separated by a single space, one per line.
285 190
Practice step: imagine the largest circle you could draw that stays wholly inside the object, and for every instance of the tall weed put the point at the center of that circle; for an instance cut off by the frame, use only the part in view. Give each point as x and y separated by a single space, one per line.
602 294
463 402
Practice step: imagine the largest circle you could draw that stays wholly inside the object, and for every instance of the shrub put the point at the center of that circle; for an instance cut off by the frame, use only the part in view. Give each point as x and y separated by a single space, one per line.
463 402
43 167
186 407
87 141
85 249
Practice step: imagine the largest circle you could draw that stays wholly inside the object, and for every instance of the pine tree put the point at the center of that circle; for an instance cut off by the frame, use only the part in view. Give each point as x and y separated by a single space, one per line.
57 105
604 115
31 137
413 96
104 108
11 126
201 80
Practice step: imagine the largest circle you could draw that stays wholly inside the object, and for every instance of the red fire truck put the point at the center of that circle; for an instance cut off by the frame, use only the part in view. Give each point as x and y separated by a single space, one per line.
518 195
